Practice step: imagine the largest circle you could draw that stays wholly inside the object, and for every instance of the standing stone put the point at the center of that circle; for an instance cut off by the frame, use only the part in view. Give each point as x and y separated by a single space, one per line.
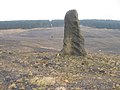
73 43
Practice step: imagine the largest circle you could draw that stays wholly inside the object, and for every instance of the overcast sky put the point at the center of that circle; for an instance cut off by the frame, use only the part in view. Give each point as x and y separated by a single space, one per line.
56 9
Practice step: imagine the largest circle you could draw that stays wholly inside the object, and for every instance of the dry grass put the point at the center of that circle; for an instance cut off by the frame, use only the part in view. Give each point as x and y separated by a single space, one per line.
12 31
49 70
29 60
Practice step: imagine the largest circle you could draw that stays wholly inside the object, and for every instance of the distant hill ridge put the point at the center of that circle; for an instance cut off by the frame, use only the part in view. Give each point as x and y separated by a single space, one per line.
109 24
28 24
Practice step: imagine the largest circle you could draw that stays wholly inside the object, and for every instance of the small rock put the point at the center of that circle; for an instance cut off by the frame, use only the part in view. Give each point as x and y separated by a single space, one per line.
0 52
30 74
58 55
12 86
21 86
99 78
43 81
66 81
19 80
60 88
117 85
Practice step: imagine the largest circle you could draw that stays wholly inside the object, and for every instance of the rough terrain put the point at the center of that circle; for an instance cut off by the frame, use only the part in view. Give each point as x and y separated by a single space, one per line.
49 71
30 60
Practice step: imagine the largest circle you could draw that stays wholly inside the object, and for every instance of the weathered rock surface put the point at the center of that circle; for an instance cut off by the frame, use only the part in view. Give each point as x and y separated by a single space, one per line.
73 43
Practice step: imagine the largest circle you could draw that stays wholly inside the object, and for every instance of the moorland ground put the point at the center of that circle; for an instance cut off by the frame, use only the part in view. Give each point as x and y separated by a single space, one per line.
104 40
30 60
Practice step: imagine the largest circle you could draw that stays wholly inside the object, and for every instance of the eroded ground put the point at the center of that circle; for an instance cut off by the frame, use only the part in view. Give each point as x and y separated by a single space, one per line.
30 60
51 71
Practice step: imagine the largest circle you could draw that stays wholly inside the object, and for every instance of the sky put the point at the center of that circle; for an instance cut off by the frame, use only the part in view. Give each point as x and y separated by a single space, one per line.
56 9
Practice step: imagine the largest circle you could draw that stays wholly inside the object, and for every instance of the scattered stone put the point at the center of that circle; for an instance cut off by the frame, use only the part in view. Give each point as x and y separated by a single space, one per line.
19 80
30 74
43 81
12 86
57 54
60 88
73 43
1 85
21 86
0 52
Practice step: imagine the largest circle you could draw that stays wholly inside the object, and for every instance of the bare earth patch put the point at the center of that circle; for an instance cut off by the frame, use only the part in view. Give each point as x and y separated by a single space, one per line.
30 60
51 71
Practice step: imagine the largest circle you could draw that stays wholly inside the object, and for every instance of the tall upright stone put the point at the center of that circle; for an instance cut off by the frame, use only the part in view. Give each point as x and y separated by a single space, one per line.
73 43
